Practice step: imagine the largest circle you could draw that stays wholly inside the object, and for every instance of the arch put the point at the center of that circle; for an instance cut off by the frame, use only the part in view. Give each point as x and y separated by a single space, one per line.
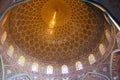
67 78
49 69
64 69
79 65
3 37
10 7
91 75
102 49
91 59
35 67
10 51
21 60
108 36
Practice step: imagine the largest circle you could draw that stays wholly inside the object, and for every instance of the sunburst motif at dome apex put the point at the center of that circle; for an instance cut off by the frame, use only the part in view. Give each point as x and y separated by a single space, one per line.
62 10
77 28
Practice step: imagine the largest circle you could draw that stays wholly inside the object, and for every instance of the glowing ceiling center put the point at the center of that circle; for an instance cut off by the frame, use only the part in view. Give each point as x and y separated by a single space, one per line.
53 21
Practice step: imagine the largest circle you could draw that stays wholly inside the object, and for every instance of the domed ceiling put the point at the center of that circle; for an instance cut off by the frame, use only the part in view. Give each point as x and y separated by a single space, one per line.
56 30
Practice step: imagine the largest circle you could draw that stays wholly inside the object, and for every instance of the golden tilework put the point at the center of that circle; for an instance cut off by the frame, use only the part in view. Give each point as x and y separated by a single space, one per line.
77 28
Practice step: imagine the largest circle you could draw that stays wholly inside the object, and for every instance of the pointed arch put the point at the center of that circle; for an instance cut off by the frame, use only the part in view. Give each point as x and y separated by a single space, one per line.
35 67
79 65
64 69
49 69
21 60
91 59
3 37
108 36
102 49
10 51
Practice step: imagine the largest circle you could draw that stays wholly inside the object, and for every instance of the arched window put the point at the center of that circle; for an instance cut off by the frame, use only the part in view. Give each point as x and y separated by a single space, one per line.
3 38
102 49
35 67
21 61
10 50
108 36
79 65
91 59
64 69
49 69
